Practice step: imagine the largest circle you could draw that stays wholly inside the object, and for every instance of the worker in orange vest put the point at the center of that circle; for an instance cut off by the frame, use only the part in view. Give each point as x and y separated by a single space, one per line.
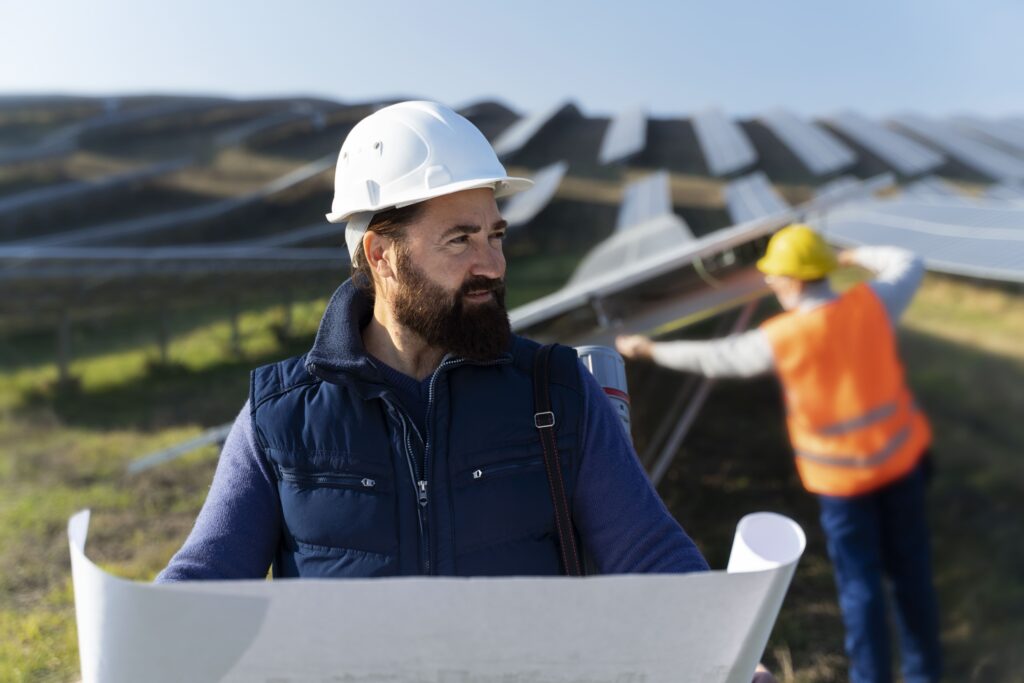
860 440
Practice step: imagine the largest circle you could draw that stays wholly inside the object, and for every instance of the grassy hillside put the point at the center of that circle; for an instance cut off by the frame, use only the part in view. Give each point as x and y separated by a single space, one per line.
60 452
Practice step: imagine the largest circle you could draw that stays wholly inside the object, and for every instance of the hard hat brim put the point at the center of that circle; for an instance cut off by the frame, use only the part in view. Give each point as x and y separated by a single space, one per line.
770 267
503 187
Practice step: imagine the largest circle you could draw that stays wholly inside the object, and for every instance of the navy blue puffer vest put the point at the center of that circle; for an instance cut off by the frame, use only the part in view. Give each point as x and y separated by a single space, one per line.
363 493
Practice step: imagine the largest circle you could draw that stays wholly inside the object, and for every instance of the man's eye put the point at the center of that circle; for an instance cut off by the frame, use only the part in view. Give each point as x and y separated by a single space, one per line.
461 239
498 235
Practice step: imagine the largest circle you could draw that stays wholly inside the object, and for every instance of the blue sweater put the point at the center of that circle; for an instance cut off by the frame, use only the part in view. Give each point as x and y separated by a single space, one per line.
623 523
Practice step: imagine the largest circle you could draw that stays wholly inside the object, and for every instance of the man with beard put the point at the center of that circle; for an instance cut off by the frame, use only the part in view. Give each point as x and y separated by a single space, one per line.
406 441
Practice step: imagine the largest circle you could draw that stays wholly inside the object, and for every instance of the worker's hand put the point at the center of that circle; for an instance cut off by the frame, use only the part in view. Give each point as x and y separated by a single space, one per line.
634 346
763 675
846 258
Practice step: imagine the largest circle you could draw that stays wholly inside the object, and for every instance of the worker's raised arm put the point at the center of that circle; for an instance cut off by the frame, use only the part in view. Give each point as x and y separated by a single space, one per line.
898 274
739 355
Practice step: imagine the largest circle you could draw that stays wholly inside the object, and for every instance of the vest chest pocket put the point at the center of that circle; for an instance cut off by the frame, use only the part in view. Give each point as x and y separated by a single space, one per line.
501 501
326 511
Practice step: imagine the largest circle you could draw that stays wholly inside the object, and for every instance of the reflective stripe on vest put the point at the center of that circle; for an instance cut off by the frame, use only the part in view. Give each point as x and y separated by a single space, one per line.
853 460
852 421
866 420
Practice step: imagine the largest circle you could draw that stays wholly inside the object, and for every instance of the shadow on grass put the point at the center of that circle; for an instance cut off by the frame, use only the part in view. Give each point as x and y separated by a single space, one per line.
91 337
167 395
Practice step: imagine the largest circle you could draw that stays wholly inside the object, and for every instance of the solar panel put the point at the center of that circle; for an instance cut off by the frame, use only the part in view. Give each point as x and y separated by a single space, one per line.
1006 192
839 186
624 249
48 195
963 237
820 151
751 197
626 135
522 131
930 187
1002 133
41 263
725 146
901 153
521 208
644 199
979 156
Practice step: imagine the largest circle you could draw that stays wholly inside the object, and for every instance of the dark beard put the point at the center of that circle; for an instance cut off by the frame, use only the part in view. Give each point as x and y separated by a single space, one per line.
479 332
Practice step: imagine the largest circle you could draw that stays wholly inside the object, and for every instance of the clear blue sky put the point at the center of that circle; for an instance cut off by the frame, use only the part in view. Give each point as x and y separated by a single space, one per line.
934 56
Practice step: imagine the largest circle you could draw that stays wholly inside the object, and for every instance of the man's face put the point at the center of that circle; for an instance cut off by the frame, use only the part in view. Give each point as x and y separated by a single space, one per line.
450 287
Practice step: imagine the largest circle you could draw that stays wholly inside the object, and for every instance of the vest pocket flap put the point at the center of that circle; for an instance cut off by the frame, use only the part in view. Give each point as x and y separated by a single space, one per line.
338 509
502 454
359 481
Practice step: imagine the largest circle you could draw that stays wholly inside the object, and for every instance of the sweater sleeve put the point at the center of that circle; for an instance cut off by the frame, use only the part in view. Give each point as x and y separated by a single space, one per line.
236 533
739 355
621 520
898 274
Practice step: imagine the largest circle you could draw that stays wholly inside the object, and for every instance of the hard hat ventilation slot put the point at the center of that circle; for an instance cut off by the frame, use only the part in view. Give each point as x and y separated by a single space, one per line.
436 176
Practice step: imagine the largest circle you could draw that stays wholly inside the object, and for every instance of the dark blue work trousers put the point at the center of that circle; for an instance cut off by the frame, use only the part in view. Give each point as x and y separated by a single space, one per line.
878 535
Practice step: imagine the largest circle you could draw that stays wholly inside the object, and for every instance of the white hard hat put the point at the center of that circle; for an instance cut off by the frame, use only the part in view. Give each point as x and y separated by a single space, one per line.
408 153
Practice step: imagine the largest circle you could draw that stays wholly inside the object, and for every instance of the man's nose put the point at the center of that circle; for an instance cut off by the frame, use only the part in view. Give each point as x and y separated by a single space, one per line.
489 262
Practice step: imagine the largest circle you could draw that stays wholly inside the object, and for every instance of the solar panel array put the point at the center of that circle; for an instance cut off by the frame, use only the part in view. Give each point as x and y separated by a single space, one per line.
820 151
646 226
626 135
751 197
901 153
725 146
983 158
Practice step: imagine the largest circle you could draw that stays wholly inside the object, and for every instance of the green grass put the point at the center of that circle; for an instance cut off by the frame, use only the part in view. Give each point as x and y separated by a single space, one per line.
63 450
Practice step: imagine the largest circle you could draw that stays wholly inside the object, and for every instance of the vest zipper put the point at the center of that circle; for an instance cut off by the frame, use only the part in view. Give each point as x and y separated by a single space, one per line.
346 481
446 364
420 487
420 475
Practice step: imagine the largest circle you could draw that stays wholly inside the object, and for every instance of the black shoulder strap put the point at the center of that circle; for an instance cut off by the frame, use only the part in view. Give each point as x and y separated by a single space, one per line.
544 420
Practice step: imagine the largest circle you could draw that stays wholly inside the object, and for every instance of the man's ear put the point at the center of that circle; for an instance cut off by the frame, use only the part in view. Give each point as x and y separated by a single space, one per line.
380 254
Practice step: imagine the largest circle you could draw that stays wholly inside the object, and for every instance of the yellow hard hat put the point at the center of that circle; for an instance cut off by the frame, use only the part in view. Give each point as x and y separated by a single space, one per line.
797 251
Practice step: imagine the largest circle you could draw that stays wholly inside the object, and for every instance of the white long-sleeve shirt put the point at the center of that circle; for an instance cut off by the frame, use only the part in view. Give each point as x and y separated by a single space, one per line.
898 274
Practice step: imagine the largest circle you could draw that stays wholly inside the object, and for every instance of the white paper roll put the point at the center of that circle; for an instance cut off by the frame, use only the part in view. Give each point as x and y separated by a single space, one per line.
765 540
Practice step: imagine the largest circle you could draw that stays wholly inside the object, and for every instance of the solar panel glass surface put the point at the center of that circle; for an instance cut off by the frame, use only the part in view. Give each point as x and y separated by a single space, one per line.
820 151
752 197
725 146
521 208
644 199
626 135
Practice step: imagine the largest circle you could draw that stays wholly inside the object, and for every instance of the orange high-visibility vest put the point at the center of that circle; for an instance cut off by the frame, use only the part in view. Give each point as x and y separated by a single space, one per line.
852 420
